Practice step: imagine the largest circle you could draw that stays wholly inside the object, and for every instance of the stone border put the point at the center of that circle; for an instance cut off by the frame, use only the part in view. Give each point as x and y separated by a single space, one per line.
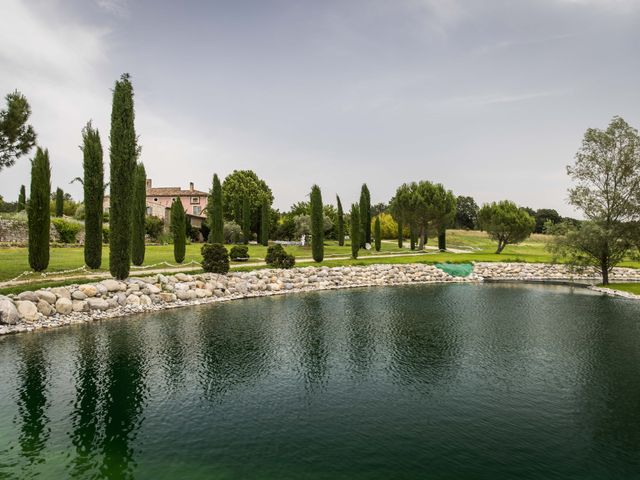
75 304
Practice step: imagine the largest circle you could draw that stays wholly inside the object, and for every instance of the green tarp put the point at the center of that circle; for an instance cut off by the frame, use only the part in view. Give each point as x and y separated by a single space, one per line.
456 269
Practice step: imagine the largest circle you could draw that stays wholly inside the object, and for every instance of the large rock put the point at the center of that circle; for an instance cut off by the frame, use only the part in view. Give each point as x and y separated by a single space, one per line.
78 295
44 307
8 312
89 290
64 306
145 300
167 297
27 310
133 300
80 306
61 292
97 303
29 296
47 296
121 298
113 285
151 289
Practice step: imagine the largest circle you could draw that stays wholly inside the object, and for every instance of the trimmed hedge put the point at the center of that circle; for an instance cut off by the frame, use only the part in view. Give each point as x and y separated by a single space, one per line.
66 230
215 258
277 257
239 253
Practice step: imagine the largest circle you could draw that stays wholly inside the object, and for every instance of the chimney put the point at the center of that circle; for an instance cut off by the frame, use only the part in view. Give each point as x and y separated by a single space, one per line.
191 186
148 183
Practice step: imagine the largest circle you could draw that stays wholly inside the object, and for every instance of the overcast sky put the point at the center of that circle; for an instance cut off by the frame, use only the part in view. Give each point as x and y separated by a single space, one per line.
489 97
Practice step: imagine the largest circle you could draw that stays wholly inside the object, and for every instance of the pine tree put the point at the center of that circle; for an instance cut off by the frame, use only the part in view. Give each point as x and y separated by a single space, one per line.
138 215
365 215
442 240
22 199
400 234
340 223
377 234
246 220
264 224
355 230
124 152
38 211
317 224
59 202
214 212
93 184
178 230
413 236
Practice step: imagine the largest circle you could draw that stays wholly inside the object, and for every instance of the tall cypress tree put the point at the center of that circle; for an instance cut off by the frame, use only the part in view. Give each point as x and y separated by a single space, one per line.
264 224
59 202
246 220
355 230
22 199
340 223
93 184
377 234
214 212
38 211
124 153
178 230
365 215
138 214
317 224
400 233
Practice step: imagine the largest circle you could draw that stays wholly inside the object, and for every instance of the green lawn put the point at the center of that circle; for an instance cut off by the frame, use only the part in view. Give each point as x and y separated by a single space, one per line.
476 246
625 287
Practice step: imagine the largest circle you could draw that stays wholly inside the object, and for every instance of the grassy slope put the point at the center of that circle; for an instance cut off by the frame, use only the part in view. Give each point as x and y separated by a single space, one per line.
625 287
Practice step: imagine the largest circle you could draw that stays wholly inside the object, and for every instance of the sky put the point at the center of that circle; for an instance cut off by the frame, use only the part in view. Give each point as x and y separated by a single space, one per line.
489 97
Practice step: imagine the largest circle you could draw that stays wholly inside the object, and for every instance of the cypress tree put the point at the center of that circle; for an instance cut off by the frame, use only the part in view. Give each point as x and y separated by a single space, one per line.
365 215
214 212
39 219
317 224
178 230
246 220
93 184
400 234
264 224
340 223
377 234
138 214
22 199
123 152
355 230
59 202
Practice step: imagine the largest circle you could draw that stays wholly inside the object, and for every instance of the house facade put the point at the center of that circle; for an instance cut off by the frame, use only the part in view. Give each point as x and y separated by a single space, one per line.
159 201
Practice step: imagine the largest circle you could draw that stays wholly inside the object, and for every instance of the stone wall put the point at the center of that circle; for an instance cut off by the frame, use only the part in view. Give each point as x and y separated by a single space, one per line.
16 231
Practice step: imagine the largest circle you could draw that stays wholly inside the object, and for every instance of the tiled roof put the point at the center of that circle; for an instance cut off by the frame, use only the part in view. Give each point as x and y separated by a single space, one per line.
174 192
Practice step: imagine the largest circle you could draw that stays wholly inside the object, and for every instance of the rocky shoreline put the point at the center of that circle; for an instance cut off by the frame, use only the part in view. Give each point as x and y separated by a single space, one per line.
74 304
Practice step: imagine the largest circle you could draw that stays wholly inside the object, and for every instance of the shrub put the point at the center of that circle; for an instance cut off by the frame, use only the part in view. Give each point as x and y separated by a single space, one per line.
277 257
215 258
66 230
154 227
106 233
79 215
239 253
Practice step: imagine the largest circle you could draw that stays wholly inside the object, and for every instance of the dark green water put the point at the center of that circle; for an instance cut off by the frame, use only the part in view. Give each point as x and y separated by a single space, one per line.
453 381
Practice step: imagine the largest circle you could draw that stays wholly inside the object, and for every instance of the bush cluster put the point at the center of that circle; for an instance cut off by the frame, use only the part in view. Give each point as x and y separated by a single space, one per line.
239 253
66 230
277 257
215 258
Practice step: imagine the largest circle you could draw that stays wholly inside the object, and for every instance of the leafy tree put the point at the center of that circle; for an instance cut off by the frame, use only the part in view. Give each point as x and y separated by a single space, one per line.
178 230
243 184
340 223
466 213
300 208
355 230
505 222
214 212
246 220
377 234
153 226
38 211
59 202
16 137
607 191
442 212
546 216
264 224
22 199
317 224
365 215
138 213
93 186
124 152
379 208
232 232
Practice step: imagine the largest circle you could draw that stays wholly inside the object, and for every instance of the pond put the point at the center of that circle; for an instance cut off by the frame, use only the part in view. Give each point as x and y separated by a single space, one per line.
432 381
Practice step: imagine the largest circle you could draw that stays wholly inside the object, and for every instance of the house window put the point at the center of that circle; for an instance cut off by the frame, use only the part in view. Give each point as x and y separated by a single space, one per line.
196 210
195 200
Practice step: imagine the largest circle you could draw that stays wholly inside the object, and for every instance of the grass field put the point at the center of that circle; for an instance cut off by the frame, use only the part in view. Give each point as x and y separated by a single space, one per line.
625 287
472 246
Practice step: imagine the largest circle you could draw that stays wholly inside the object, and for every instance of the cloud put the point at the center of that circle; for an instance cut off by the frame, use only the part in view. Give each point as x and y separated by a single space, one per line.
497 98
118 8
